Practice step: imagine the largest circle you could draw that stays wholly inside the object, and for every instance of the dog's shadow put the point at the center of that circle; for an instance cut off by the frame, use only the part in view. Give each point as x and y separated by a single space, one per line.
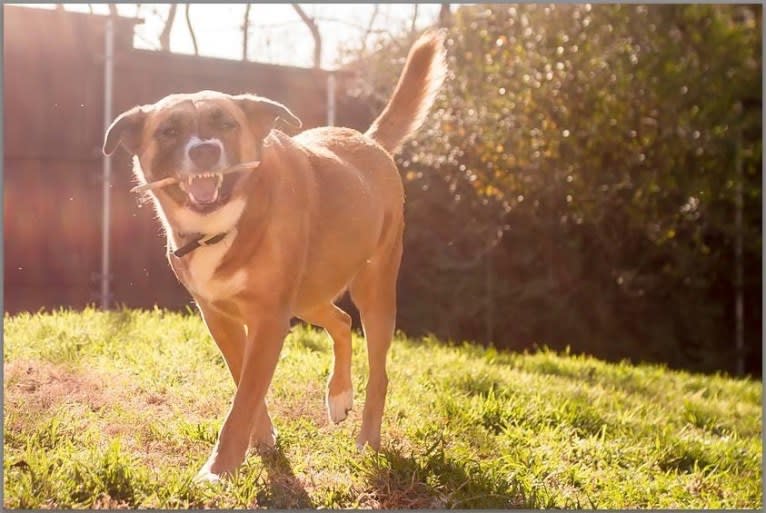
398 481
283 490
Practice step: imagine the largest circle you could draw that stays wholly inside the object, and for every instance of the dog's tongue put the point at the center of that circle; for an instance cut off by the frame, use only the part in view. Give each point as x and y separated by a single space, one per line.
204 190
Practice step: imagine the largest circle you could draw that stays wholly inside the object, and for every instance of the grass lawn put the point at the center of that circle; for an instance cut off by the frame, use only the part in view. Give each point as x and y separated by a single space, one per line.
122 408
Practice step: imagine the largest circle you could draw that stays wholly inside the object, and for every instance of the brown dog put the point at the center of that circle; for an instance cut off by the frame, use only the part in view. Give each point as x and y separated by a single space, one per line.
322 213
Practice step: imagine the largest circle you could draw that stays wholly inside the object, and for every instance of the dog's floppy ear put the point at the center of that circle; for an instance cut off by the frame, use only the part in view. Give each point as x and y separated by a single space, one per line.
262 112
126 129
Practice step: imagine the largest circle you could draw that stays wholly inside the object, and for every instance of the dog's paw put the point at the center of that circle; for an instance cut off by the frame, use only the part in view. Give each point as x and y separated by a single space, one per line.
205 476
264 442
339 405
363 441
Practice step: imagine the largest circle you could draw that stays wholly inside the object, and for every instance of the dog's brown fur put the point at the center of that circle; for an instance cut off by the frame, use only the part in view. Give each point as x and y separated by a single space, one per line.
322 214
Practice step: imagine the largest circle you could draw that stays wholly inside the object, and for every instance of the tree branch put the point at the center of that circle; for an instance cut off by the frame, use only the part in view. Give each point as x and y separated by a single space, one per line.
314 28
445 15
191 30
414 19
165 35
245 29
393 38
375 10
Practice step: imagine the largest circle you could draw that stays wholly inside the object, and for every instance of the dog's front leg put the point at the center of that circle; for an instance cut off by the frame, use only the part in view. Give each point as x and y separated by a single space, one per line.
261 353
229 335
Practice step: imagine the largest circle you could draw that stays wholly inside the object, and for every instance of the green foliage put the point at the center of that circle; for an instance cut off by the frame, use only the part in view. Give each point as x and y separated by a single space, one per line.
128 419
576 183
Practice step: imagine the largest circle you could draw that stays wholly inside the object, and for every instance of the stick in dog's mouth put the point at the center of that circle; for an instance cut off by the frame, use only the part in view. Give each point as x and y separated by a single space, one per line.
171 180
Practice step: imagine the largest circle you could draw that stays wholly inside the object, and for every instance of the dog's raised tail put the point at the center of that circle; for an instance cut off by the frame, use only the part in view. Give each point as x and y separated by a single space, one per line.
421 79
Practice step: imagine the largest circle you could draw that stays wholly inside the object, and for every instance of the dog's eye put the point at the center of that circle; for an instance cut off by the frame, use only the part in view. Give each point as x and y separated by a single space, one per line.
228 125
168 132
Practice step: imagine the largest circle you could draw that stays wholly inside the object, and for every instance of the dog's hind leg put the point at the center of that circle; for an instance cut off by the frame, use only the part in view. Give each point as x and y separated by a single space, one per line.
337 323
373 291
229 336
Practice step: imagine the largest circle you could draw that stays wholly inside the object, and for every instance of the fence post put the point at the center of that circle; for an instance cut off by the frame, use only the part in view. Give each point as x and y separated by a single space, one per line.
107 164
331 99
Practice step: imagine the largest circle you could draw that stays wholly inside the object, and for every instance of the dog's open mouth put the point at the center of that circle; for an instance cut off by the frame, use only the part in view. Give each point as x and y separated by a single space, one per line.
203 189
205 192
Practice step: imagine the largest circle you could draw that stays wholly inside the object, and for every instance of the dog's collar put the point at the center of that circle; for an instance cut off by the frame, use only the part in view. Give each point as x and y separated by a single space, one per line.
198 240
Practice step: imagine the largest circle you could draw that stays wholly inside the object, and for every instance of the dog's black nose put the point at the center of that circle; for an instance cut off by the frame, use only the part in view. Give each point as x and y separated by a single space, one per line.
205 155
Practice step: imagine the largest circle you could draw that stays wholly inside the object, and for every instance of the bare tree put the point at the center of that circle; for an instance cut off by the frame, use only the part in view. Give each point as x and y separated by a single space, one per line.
314 28
414 19
191 30
393 36
245 30
445 15
112 10
165 35
373 16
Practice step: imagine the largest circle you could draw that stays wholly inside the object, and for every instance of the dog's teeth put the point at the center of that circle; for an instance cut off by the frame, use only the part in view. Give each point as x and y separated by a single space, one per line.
217 176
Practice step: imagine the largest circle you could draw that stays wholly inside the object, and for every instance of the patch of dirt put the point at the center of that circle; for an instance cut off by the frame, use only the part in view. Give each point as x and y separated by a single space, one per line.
37 386
104 501
42 386
36 390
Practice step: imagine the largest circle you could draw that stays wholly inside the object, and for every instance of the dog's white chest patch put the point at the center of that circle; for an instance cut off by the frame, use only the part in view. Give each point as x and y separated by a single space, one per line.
201 266
203 261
